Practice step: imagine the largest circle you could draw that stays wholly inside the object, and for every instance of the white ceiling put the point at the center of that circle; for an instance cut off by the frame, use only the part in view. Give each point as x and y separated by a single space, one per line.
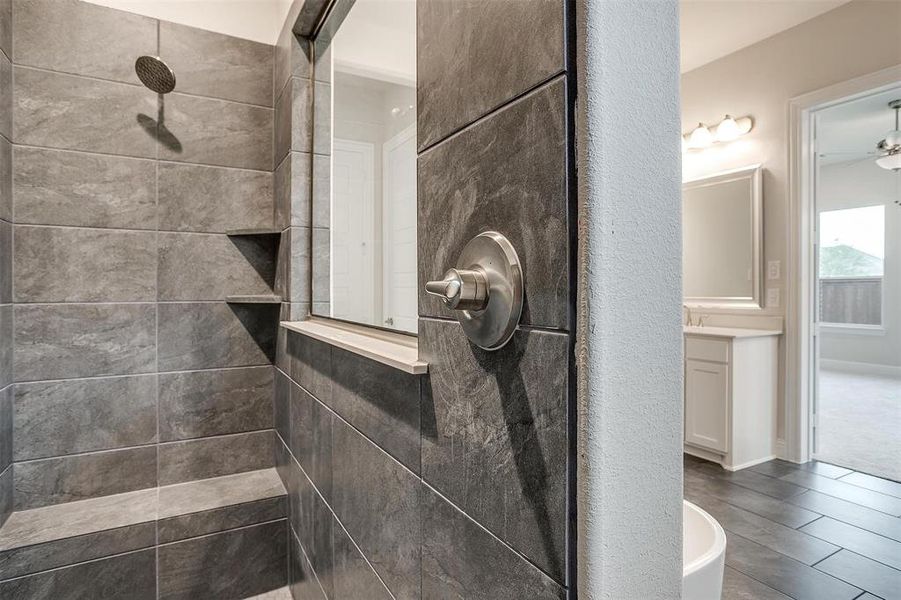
257 20
850 131
377 39
711 29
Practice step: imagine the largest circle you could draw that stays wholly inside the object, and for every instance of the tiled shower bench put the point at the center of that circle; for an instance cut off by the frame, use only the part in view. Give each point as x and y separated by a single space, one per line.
210 538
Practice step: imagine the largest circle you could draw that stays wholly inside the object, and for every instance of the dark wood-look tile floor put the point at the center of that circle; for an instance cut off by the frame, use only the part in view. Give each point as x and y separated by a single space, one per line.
809 532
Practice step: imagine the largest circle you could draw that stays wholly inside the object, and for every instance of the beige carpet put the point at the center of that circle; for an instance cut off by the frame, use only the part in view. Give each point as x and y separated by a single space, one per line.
860 422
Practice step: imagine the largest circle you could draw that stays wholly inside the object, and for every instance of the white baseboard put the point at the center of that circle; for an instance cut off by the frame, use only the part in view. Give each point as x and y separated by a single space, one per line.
847 366
750 463
702 453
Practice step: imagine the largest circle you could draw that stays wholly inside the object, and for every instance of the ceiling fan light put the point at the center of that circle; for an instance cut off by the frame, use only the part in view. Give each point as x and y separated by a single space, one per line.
700 137
893 138
890 162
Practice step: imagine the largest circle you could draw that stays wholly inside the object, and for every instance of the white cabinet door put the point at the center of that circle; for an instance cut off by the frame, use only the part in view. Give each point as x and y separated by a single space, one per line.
707 405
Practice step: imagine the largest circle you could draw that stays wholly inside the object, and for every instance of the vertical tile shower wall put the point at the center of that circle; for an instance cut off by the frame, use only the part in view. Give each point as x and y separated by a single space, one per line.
6 309
452 484
130 369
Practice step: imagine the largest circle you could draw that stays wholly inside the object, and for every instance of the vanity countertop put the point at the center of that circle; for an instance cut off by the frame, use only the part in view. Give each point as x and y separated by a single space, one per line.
729 332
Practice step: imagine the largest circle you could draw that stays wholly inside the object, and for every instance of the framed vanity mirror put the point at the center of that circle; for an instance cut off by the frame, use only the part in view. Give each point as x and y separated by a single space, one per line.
722 239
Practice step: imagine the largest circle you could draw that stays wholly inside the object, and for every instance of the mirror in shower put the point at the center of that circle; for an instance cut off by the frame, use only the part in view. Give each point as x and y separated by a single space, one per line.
364 164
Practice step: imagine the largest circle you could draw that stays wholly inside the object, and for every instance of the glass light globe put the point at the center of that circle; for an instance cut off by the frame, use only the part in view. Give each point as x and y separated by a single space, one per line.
893 138
700 137
727 130
892 162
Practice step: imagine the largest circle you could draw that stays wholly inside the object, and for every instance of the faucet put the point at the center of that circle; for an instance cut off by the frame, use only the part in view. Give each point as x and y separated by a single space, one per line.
688 311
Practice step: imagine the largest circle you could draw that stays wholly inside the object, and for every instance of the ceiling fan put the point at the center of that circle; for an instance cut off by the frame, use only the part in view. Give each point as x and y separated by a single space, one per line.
889 149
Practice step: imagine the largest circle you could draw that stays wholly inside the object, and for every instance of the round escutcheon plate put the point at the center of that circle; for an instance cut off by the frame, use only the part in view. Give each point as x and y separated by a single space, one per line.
492 327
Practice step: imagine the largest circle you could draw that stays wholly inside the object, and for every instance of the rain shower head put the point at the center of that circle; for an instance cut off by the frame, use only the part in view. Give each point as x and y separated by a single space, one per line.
155 74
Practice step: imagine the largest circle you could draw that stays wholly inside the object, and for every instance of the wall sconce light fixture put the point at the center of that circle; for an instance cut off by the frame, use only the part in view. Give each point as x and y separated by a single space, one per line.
727 130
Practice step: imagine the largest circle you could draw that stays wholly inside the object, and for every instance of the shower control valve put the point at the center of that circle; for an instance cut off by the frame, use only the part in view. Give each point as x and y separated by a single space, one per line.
485 289
461 289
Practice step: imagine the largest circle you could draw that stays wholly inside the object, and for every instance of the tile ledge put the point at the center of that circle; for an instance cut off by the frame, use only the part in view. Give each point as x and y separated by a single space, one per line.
104 513
388 348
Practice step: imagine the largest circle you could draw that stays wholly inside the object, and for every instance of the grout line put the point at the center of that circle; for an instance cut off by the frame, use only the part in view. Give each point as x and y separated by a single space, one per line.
519 554
133 84
155 157
753 577
211 534
864 556
214 436
148 374
294 535
156 516
19 145
799 527
335 516
825 557
155 445
415 475
138 86
561 74
349 424
227 100
164 161
155 548
88 453
122 229
77 536
814 565
520 327
80 563
121 302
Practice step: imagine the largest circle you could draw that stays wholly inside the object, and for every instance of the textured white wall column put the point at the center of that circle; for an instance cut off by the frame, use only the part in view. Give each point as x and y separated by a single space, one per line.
630 334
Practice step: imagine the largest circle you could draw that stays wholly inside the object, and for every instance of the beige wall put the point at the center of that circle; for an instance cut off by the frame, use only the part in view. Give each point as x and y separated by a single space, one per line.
855 39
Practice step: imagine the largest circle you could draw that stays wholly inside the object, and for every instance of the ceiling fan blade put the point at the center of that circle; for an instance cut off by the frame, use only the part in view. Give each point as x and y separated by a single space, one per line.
851 163
857 153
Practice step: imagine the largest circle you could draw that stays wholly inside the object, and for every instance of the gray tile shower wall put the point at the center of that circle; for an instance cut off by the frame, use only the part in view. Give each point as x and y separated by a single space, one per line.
292 144
6 309
452 484
508 408
473 57
492 134
350 437
130 369
528 137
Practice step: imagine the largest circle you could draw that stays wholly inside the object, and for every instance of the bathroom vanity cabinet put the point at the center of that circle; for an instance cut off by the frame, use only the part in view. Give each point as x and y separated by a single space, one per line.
730 394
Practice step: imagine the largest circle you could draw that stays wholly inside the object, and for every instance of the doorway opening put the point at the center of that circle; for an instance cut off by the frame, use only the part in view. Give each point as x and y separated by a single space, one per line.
854 316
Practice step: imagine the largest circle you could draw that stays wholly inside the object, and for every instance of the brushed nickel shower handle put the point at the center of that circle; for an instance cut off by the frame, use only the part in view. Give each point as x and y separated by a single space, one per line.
461 289
486 289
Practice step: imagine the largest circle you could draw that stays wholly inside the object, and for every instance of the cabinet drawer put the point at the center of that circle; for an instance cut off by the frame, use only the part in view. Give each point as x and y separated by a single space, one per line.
700 348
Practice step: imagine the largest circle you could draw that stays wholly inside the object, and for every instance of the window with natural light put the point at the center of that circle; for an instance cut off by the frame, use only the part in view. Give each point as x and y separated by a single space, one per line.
851 265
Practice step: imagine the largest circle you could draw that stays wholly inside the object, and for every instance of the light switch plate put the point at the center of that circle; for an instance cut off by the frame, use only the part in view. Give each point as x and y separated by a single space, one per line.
772 297
774 269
